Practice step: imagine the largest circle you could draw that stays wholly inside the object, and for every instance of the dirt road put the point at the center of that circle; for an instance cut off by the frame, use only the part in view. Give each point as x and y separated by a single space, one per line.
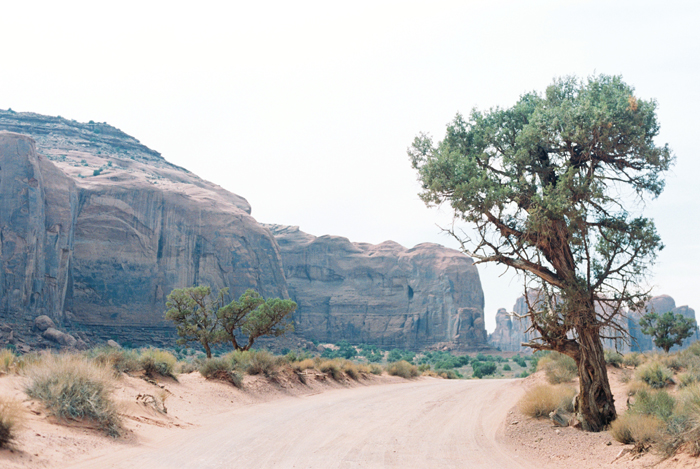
417 424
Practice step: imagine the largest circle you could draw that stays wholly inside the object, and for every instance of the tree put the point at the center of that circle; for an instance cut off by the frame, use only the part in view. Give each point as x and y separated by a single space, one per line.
549 184
668 329
194 315
233 316
200 319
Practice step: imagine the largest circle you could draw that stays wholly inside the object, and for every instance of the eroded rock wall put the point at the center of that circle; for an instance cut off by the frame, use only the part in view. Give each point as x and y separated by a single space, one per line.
382 294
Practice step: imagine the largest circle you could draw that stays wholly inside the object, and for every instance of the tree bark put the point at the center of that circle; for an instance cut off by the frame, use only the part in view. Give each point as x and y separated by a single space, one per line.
595 405
207 349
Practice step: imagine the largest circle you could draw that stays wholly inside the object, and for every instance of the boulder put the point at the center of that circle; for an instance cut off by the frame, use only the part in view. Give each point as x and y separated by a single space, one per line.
43 322
113 344
61 338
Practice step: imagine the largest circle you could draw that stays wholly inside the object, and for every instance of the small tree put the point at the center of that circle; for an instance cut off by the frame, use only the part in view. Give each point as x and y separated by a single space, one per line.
268 319
195 315
667 329
234 315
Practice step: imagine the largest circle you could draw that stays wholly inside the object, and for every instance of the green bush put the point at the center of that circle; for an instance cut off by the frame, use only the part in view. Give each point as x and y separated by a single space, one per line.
655 375
222 370
72 387
403 369
261 362
657 403
507 367
520 361
482 369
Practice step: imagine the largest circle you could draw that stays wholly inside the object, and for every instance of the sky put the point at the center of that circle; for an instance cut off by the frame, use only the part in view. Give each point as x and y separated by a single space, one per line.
307 108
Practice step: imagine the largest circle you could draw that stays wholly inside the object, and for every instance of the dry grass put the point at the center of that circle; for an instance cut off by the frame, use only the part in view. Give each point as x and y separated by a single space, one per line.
375 369
72 387
306 364
403 369
636 428
11 419
221 369
123 361
350 369
156 362
542 399
8 360
331 367
558 368
632 359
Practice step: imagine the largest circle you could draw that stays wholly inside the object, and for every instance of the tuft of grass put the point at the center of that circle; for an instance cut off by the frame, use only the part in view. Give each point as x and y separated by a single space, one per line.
331 367
350 369
375 369
72 387
11 419
655 375
402 368
306 364
558 368
613 358
158 362
121 360
636 428
262 362
542 399
221 369
631 359
8 360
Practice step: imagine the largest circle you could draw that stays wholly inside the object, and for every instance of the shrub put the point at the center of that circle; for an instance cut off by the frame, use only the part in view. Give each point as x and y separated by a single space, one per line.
402 368
507 367
350 369
156 362
221 369
655 375
306 364
11 418
520 361
613 358
72 387
375 369
450 374
636 428
673 362
558 368
631 359
686 379
542 399
657 403
261 362
121 360
482 369
8 361
331 367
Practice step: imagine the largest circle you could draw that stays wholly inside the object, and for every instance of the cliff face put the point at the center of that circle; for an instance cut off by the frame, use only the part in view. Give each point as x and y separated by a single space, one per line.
96 230
510 330
381 294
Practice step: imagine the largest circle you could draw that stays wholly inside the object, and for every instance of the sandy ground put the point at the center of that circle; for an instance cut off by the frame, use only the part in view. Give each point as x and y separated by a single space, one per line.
376 422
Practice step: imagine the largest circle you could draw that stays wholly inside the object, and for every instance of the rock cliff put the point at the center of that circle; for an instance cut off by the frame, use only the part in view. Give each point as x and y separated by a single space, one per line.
96 229
510 330
382 294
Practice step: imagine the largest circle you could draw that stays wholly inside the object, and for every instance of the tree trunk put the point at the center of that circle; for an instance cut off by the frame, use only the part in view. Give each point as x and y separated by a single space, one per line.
595 405
207 349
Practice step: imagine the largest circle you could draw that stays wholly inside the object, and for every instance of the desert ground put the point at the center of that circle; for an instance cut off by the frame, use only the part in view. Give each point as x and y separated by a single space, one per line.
377 421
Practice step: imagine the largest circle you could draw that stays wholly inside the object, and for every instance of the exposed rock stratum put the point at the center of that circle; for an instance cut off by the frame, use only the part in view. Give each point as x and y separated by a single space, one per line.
96 229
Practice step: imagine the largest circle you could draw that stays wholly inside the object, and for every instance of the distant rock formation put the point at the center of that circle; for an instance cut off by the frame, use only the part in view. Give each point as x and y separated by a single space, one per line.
510 330
382 294
96 229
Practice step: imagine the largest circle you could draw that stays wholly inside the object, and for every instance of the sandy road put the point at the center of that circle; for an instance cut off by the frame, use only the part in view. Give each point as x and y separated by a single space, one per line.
418 424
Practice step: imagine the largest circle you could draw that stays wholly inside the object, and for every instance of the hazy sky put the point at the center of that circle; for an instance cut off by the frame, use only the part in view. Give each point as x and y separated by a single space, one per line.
307 108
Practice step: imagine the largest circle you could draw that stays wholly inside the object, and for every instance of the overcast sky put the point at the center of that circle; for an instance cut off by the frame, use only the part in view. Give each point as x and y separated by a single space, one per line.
307 108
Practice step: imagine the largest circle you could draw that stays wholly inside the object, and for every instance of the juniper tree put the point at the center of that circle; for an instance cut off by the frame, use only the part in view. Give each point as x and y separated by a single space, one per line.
551 186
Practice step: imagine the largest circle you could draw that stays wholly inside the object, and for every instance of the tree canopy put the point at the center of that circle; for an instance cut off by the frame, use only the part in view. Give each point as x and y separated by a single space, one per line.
667 329
208 321
551 186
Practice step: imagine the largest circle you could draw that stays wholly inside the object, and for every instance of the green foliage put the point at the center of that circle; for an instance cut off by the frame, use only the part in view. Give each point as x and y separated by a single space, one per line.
506 367
667 329
520 361
372 353
200 319
403 369
398 355
260 362
345 350
121 360
74 388
656 403
482 369
655 375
